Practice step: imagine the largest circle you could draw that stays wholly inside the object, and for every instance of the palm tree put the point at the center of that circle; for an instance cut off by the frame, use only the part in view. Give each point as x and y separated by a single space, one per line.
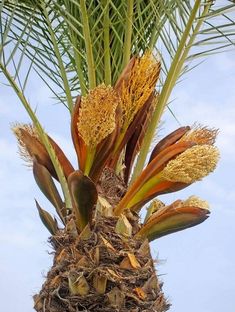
113 64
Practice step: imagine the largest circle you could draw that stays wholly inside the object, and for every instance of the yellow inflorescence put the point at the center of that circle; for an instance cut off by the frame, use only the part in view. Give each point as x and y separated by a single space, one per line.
196 202
201 135
97 115
18 129
192 165
139 87
157 205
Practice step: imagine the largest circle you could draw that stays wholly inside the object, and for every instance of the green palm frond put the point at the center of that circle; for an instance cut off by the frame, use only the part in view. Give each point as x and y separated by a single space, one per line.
70 48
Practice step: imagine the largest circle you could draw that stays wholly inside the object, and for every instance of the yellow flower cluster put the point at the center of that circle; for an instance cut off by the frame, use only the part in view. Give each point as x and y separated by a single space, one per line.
195 201
192 165
24 134
201 135
137 89
97 115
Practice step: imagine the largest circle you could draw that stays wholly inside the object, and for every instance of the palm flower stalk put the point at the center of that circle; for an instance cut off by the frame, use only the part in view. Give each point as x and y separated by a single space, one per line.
101 60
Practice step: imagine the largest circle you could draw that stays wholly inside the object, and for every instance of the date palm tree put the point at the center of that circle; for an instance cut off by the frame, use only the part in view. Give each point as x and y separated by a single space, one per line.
113 64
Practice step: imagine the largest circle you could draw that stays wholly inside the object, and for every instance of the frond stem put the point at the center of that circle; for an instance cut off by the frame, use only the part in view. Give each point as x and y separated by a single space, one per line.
43 136
78 62
107 64
128 33
88 44
59 58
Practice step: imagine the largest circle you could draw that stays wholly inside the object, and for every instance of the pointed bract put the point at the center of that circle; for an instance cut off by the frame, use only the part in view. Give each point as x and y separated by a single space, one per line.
47 186
170 139
63 160
84 197
47 220
104 150
169 219
134 144
78 142
125 75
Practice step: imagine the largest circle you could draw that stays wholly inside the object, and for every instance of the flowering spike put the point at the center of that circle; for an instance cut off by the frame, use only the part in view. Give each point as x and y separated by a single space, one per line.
23 133
97 115
30 147
201 135
139 85
178 174
150 172
192 165
196 202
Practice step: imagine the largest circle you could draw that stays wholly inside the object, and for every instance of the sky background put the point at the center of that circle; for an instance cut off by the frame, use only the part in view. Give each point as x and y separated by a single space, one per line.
196 265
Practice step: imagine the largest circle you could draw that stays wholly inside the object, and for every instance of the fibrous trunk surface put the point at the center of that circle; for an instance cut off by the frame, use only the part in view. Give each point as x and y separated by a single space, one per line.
112 273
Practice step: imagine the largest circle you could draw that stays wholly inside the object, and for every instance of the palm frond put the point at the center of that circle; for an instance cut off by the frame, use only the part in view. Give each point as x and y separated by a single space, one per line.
97 48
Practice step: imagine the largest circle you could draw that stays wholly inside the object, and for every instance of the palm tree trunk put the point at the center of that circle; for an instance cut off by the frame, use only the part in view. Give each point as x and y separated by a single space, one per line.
108 272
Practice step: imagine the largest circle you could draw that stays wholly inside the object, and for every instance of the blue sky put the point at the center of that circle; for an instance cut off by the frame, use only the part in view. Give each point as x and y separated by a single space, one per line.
196 265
